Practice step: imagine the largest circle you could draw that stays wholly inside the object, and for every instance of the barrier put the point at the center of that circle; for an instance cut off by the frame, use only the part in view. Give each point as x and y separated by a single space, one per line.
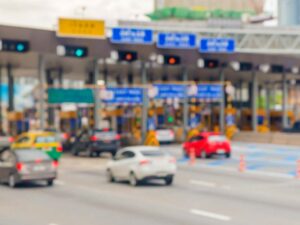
242 165
192 156
151 139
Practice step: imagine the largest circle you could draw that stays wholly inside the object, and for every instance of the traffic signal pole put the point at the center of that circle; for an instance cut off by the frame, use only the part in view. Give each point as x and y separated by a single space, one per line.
254 99
98 103
222 103
185 105
284 100
42 81
145 102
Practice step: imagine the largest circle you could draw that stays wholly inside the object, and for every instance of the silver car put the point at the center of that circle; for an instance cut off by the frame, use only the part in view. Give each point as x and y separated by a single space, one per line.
140 163
26 165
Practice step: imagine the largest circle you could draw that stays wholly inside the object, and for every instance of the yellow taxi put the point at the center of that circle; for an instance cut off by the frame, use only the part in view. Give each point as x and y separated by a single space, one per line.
45 141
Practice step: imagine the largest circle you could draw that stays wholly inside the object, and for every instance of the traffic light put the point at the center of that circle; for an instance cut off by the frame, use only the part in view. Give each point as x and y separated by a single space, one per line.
277 69
14 46
211 63
72 51
171 60
127 56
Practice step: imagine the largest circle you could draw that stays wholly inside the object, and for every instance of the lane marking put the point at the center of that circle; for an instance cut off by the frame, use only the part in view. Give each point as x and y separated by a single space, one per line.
203 183
210 215
53 224
59 183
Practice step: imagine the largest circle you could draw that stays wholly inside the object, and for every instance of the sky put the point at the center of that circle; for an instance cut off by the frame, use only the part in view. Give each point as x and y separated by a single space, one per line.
44 14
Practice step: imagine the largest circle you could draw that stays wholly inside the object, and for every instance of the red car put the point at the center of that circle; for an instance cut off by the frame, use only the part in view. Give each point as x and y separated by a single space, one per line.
207 144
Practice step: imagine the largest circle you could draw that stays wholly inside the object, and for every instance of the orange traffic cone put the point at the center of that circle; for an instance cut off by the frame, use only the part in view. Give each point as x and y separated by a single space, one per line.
192 157
298 170
242 166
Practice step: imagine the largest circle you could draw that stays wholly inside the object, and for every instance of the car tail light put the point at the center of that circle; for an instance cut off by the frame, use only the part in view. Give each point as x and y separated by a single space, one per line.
38 160
144 162
59 148
94 138
118 137
11 139
65 136
54 164
19 166
172 160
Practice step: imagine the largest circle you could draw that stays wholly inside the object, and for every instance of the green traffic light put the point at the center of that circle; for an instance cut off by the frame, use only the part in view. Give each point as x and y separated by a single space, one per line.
170 119
20 47
79 52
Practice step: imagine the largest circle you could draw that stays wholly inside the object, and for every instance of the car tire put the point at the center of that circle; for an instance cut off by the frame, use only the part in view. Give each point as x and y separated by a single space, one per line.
169 180
133 181
110 177
12 181
228 155
50 183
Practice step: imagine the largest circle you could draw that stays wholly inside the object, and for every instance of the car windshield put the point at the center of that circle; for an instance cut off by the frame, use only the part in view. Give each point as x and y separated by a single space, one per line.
217 138
153 153
31 155
46 139
105 134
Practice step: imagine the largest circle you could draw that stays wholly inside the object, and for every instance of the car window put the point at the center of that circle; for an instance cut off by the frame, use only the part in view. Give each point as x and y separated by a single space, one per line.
196 138
152 153
23 140
125 155
31 155
84 137
45 139
217 138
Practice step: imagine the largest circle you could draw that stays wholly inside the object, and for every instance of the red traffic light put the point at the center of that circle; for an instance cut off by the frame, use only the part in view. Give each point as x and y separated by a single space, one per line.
172 61
128 57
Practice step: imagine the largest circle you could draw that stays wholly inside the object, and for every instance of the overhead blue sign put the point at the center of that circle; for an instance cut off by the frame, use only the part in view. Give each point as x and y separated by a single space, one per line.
206 91
176 40
167 91
118 95
217 45
131 36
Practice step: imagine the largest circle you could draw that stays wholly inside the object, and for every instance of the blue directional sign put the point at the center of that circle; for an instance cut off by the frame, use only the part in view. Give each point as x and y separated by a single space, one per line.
217 45
206 91
167 91
116 95
131 36
176 40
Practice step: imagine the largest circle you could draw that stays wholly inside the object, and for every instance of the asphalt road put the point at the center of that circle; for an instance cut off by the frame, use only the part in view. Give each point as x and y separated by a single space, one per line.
202 194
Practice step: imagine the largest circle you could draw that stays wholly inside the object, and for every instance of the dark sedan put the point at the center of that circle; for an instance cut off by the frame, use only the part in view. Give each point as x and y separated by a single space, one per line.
94 142
26 165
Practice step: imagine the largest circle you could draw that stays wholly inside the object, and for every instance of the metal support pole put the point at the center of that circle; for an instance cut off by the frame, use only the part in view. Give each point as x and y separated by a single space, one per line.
284 101
240 102
42 80
1 102
268 104
254 98
185 105
11 104
98 105
222 102
145 102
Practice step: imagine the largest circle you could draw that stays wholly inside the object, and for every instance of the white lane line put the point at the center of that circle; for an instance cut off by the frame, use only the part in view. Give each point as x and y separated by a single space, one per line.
59 182
203 183
53 224
210 215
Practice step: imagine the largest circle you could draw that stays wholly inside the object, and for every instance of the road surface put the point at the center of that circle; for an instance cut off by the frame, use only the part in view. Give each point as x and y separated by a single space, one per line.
202 194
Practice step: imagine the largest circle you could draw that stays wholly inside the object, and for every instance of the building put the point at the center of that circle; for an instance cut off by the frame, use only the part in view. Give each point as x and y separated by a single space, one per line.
289 12
253 5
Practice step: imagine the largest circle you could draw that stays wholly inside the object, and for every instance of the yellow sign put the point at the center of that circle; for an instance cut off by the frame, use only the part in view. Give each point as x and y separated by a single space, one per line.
81 28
